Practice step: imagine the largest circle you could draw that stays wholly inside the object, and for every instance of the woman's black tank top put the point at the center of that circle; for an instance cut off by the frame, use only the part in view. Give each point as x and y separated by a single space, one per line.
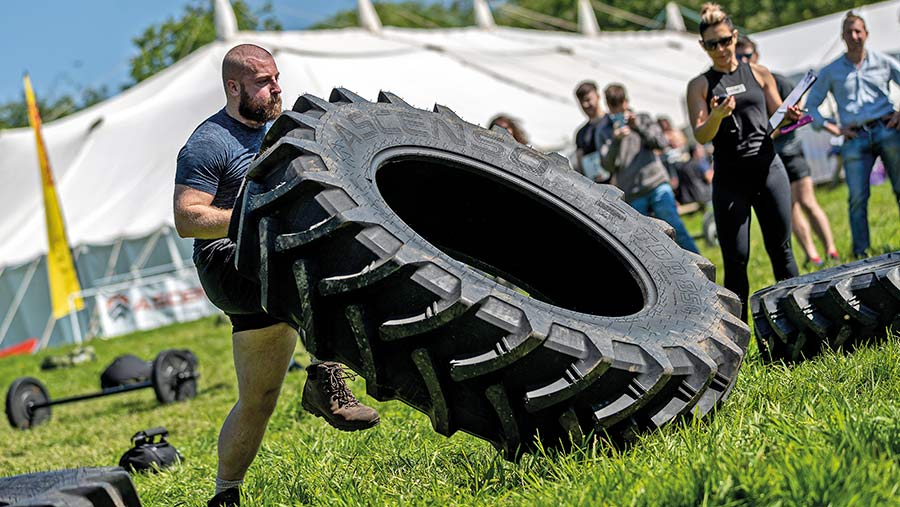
746 132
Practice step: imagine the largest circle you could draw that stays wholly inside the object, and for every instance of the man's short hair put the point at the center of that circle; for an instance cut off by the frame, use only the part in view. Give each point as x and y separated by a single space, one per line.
584 88
235 64
850 18
615 95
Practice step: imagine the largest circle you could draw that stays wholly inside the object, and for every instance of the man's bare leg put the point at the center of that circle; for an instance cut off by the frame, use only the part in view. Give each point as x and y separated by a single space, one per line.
261 358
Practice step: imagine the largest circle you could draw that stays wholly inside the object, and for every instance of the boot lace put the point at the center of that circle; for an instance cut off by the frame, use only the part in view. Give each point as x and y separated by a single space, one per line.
337 385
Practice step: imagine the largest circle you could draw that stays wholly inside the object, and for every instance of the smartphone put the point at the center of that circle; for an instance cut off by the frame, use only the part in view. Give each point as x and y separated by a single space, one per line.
720 98
618 120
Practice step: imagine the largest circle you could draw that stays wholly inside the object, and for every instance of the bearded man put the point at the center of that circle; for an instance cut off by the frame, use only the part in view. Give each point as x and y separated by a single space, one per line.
211 167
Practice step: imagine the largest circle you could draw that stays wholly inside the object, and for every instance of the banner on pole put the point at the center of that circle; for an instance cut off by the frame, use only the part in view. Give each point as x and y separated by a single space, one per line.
60 267
176 298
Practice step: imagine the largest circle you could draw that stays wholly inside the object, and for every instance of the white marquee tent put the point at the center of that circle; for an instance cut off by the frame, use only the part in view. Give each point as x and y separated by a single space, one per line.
114 163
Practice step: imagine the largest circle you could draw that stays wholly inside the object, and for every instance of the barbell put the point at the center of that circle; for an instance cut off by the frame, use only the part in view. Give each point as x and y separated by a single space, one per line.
173 378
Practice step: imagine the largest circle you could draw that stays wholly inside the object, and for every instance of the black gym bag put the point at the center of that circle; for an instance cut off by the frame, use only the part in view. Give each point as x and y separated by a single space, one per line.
124 370
149 454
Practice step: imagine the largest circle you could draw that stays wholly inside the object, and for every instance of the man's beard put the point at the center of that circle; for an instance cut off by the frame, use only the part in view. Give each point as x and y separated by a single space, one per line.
257 110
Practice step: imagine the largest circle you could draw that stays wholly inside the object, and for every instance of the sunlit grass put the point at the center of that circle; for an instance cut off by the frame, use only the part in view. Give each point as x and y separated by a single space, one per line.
824 432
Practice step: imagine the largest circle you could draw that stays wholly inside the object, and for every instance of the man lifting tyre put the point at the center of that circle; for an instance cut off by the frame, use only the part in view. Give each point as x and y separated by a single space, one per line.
211 167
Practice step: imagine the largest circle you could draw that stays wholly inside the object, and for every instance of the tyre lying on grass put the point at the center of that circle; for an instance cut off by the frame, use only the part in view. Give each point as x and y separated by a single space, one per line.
100 487
837 307
383 230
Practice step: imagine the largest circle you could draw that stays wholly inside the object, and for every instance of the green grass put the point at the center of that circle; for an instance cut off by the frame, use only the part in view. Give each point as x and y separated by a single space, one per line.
824 432
884 233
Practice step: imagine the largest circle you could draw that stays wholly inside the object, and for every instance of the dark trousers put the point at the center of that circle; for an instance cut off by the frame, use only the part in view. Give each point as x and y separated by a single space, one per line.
760 183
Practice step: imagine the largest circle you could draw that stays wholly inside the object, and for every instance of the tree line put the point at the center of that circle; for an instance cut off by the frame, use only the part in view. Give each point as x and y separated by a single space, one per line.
158 46
161 45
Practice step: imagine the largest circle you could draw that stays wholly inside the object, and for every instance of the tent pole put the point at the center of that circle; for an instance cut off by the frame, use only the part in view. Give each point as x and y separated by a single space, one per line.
17 300
73 318
145 254
177 261
48 331
113 259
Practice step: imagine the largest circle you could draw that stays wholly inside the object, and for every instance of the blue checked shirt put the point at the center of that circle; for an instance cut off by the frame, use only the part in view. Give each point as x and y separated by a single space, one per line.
862 94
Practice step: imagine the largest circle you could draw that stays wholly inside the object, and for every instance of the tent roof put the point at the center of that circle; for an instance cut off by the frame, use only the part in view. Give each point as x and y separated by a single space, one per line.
114 163
812 44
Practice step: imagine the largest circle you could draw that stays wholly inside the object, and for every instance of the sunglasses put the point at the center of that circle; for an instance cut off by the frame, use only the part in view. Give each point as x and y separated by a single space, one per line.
710 45
745 56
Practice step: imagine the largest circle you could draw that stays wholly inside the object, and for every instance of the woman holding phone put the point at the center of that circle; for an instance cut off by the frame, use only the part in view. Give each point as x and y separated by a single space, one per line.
730 105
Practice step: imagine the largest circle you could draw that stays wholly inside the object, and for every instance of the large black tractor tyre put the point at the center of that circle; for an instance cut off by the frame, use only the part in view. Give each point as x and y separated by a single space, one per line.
383 230
80 487
836 307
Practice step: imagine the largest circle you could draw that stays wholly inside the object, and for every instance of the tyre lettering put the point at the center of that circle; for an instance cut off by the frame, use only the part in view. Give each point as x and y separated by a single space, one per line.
659 251
381 126
412 124
662 278
484 142
676 268
688 294
347 135
529 160
456 138
360 122
342 150
609 212
691 310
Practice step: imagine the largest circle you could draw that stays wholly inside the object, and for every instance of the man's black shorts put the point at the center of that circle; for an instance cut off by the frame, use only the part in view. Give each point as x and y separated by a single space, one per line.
796 166
232 293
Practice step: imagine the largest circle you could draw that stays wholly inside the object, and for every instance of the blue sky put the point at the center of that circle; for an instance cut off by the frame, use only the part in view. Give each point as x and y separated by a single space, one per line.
68 45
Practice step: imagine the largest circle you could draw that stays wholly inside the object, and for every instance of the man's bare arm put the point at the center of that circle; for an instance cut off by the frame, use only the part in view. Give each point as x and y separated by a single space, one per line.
196 217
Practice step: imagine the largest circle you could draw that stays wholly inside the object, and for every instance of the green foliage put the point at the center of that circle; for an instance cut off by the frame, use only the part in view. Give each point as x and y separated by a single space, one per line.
411 14
14 114
159 46
164 44
824 432
755 15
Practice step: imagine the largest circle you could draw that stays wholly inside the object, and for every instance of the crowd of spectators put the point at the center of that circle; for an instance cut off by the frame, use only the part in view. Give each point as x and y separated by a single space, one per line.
666 172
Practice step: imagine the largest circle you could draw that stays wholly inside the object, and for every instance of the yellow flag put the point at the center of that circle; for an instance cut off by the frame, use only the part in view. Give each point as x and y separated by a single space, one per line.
60 268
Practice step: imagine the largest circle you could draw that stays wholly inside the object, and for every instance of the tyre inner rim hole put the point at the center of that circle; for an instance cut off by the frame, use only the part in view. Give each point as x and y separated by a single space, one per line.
507 233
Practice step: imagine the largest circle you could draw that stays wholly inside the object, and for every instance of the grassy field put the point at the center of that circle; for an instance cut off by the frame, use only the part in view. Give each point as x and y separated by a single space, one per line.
825 432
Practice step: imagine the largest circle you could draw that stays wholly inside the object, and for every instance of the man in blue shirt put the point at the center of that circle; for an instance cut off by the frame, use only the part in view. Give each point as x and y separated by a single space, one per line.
860 80
210 169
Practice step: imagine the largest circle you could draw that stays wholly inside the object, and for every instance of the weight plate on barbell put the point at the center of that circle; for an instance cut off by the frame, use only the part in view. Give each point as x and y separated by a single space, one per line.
174 377
23 393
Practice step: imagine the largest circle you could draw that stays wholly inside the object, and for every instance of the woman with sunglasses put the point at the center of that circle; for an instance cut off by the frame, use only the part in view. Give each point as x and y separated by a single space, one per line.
803 196
730 105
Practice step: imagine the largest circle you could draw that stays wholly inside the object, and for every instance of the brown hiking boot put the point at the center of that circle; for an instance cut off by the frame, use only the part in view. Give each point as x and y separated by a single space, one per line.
327 395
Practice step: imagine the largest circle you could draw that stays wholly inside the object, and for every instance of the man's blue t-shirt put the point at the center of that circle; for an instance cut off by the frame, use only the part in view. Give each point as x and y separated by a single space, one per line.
215 159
